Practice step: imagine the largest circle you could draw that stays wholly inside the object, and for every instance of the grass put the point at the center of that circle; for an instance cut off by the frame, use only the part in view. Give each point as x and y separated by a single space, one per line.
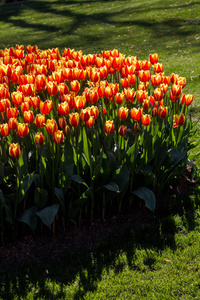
162 261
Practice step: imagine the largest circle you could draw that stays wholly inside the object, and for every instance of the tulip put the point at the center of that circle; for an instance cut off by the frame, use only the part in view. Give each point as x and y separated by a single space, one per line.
122 130
158 94
146 65
4 129
153 58
141 95
74 119
75 86
17 98
12 123
52 88
94 111
123 113
66 130
28 117
129 94
164 87
156 79
85 114
119 98
51 126
146 119
15 150
125 82
22 129
12 112
176 90
39 138
136 114
46 107
162 111
158 68
144 76
58 137
40 83
62 123
35 102
109 127
79 102
187 99
4 104
179 120
145 104
154 112
40 120
63 109
90 122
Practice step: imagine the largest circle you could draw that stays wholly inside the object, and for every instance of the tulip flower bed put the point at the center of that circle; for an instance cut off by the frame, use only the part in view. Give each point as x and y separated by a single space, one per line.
85 134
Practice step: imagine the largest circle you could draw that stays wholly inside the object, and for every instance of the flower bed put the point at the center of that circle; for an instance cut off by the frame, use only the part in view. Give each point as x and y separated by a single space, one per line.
83 134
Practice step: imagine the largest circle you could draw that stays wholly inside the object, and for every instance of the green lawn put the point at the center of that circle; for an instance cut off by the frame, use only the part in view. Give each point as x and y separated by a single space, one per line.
162 260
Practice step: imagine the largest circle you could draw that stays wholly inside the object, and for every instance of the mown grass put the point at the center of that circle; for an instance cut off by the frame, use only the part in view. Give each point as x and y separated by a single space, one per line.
162 260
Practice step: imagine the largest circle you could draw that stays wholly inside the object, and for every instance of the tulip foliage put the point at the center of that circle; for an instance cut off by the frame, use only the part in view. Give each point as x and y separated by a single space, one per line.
83 135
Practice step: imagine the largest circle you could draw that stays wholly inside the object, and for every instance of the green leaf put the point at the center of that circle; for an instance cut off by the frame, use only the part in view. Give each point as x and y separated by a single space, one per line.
112 186
148 196
23 162
79 179
78 204
2 200
29 217
86 149
121 177
47 215
27 182
193 156
40 197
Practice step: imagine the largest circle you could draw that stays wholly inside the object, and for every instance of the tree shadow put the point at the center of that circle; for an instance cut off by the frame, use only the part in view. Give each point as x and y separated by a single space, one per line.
87 267
170 27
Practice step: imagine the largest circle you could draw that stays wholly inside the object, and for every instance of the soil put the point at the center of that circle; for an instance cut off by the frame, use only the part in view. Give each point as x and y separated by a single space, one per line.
45 248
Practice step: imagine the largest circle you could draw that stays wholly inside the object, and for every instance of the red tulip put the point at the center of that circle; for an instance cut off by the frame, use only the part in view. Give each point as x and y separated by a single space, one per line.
15 150
109 127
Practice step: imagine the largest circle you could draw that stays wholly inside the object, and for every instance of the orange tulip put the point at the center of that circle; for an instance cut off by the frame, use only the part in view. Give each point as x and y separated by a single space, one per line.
63 109
122 130
79 102
90 122
123 113
58 137
144 75
145 104
109 127
39 138
28 117
119 98
66 130
156 79
4 129
22 129
15 150
12 112
136 114
40 83
176 90
75 86
62 123
141 95
51 126
153 58
94 111
40 120
74 119
162 111
125 82
46 107
17 98
4 104
158 68
187 99
85 114
158 94
12 123
146 119
129 94
35 102
179 120
154 112
52 88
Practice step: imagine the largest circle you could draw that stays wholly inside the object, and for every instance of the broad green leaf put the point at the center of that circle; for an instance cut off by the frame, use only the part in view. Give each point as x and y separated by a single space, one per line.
112 186
29 217
193 156
60 195
148 196
121 177
27 182
47 215
79 179
86 148
40 197
78 204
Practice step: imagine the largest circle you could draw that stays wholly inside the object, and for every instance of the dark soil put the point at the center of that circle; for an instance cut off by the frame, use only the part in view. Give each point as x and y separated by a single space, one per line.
45 248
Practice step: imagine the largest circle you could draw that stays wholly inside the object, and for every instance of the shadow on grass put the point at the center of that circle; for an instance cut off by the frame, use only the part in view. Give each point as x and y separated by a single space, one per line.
87 268
174 26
